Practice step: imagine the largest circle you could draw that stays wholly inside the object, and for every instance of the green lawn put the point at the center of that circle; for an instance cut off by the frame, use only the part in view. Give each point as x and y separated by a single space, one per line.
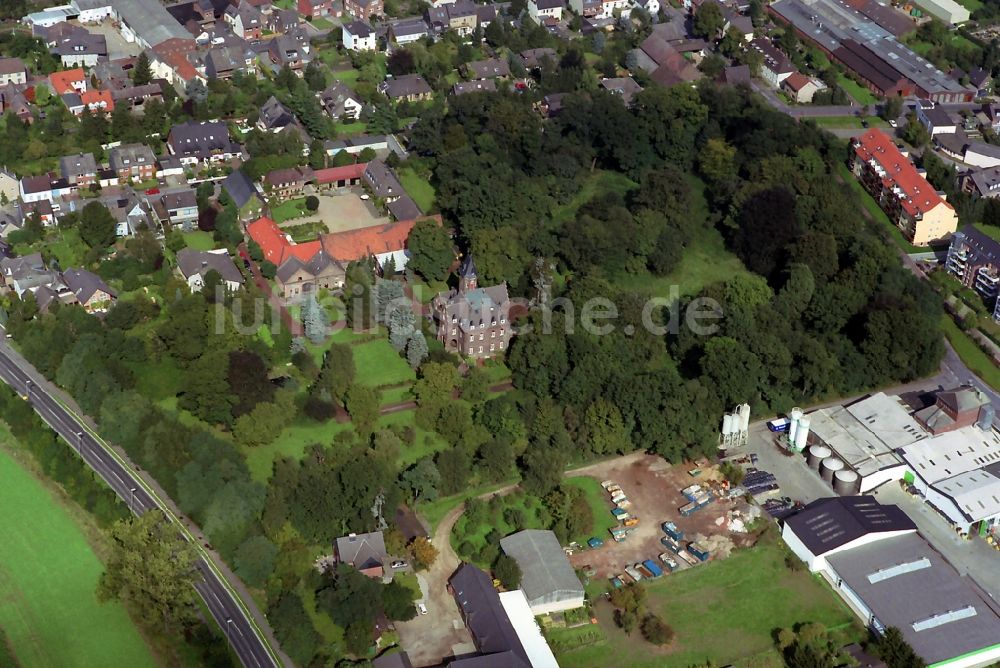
293 208
418 188
598 183
379 364
305 231
723 613
159 379
600 505
350 129
68 249
48 575
848 122
322 23
970 353
349 77
861 94
425 292
199 240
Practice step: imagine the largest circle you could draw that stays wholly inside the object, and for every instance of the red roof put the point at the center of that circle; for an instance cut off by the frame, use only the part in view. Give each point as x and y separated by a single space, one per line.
345 173
98 98
796 81
174 53
375 240
276 246
62 82
898 173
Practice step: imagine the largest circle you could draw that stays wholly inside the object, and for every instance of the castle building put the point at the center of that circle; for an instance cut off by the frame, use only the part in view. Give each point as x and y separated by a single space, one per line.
472 321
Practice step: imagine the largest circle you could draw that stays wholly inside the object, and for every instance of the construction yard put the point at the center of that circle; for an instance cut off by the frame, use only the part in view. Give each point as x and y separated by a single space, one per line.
653 488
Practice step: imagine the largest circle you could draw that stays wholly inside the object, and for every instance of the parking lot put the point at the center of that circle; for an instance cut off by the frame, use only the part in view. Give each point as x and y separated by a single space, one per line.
653 489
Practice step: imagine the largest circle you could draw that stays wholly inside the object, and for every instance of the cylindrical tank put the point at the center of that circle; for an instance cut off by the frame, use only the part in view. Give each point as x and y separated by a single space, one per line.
846 482
817 454
745 417
793 424
727 424
802 434
829 467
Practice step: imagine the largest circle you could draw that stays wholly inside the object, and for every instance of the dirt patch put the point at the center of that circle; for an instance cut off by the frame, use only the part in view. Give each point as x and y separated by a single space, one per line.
654 488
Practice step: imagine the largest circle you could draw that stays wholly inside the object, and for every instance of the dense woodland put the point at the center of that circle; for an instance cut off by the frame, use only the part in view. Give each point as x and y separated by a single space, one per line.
824 310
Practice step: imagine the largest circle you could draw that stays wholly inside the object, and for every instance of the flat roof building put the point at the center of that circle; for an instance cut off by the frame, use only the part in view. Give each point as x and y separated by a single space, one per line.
547 578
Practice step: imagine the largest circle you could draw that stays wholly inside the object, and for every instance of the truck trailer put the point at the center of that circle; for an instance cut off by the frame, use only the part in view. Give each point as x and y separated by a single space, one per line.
671 530
698 551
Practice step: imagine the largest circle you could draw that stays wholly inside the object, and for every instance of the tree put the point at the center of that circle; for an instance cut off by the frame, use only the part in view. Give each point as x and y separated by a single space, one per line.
363 405
268 269
154 569
422 479
314 319
424 553
196 91
896 652
337 372
507 571
416 349
891 108
142 74
915 133
604 429
317 155
254 560
312 202
431 250
358 637
708 21
656 631
97 226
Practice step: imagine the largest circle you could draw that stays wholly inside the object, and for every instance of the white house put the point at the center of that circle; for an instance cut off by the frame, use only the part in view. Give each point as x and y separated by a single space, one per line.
540 10
358 36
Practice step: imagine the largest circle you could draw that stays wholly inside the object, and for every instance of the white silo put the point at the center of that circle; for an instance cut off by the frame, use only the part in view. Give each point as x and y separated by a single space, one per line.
793 424
745 417
727 425
802 434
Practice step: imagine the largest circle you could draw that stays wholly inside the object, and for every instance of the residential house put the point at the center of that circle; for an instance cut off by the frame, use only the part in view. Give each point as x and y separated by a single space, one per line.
472 321
80 169
168 165
135 97
589 9
9 186
274 116
177 208
26 273
409 87
651 7
802 88
624 87
462 17
41 208
382 181
982 81
289 50
285 183
406 31
403 208
493 68
551 105
202 142
43 187
380 243
610 7
365 552
340 177
68 81
13 71
736 75
540 10
532 59
356 145
667 66
245 20
315 8
285 21
90 291
244 194
910 202
133 162
96 101
302 268
80 49
364 9
981 182
340 102
107 177
194 265
776 67
486 14
358 36
477 86
131 213
225 61
171 60
14 101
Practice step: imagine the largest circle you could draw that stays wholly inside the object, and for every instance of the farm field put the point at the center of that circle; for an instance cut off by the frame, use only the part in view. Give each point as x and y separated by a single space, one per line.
48 575
730 628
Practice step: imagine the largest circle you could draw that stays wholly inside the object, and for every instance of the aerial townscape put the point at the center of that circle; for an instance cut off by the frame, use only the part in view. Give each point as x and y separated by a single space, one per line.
520 334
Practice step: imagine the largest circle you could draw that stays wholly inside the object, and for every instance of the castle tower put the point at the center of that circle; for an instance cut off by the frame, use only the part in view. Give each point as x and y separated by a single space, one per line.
467 279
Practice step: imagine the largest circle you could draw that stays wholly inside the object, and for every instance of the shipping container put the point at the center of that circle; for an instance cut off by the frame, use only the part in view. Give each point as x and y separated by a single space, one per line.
694 506
651 566
608 483
688 557
669 562
671 544
698 551
646 573
671 530
595 542
631 521
633 573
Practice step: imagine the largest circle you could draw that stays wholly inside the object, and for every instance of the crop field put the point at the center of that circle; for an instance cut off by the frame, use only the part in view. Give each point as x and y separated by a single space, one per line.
48 575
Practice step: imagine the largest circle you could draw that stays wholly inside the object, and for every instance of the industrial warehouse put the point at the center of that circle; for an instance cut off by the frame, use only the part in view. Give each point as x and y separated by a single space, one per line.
947 452
867 44
873 557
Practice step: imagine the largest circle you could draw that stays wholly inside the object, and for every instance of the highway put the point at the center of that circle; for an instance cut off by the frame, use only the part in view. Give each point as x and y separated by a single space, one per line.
230 612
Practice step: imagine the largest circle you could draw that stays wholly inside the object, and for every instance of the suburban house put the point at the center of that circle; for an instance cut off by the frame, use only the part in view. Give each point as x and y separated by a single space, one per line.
193 265
382 181
80 169
340 102
204 142
15 102
315 8
245 20
624 87
776 66
302 268
910 202
406 31
291 50
364 9
133 162
26 273
90 291
462 17
43 187
981 182
274 116
244 194
802 88
179 208
472 321
365 552
80 49
540 10
285 183
13 71
532 59
68 81
409 87
358 36
493 68
665 63
224 61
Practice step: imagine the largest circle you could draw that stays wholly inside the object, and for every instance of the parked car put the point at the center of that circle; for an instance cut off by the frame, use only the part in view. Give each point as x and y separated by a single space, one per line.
421 608
595 542
399 564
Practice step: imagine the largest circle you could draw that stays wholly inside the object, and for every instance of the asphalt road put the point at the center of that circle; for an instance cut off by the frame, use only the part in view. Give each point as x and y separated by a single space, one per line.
222 602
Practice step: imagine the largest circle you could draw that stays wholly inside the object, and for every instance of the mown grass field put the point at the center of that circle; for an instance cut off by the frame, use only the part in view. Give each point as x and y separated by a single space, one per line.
199 240
723 613
861 94
418 188
48 575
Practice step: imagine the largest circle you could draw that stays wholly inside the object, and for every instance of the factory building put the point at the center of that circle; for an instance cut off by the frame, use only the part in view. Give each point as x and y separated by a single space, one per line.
974 259
947 11
872 556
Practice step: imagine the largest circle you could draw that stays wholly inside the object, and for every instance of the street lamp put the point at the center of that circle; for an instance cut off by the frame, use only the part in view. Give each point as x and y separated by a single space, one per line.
131 503
229 634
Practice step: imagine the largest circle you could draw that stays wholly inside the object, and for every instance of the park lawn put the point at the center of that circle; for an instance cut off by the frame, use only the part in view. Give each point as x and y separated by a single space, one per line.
321 23
48 577
600 505
293 208
598 183
158 379
723 612
199 240
379 364
861 94
349 77
970 353
418 188
396 395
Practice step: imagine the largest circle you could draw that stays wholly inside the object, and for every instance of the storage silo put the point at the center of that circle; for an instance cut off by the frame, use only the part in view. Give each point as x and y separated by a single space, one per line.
816 455
727 424
829 467
793 424
846 482
802 434
745 417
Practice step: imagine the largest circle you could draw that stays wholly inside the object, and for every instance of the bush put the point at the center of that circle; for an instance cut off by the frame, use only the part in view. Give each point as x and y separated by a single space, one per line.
312 202
656 631
267 269
507 571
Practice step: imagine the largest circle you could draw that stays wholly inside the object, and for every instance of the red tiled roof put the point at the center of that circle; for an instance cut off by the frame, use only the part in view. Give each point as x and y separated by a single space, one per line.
357 244
96 97
174 53
919 196
796 80
347 172
62 82
276 246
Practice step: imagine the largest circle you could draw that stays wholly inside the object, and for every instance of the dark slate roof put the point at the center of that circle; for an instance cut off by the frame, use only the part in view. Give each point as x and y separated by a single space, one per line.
275 115
240 187
485 617
358 29
84 284
192 262
404 86
364 550
827 524
404 208
81 164
397 660
468 267
477 86
200 139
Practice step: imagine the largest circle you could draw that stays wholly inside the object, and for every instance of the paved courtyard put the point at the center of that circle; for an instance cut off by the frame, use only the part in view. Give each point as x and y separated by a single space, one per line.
342 211
117 46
